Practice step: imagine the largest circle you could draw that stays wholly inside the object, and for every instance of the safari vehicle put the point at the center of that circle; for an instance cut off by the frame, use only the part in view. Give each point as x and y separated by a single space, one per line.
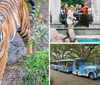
83 67
64 65
54 65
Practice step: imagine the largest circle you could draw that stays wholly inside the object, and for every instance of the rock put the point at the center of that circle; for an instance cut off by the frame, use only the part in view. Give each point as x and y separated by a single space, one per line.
16 49
55 36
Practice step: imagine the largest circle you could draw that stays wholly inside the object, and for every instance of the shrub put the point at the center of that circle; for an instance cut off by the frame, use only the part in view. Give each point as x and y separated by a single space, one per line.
36 69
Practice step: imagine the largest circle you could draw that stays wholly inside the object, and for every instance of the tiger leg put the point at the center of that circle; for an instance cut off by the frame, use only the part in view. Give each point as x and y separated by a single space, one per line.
27 43
29 49
25 28
3 65
26 39
3 59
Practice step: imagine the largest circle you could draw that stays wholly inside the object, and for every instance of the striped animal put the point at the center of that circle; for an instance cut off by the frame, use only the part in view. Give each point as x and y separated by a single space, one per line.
14 17
33 9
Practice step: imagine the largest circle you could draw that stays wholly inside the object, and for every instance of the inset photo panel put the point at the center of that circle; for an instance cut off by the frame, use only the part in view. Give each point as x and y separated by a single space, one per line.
76 21
24 42
74 64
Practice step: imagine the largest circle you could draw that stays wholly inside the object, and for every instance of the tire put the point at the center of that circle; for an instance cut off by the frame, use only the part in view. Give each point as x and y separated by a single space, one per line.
91 76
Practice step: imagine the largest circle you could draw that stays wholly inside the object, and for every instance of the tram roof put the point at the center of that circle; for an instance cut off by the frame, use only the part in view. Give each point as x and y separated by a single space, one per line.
63 60
82 59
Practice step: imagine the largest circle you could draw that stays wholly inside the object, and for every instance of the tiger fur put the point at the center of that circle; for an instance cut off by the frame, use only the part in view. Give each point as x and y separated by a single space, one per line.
14 17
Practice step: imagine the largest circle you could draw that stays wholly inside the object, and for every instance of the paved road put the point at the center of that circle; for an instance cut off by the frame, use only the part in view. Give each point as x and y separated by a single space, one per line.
60 78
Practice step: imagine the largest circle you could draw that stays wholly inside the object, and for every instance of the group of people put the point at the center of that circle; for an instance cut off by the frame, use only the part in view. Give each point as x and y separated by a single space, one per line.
78 13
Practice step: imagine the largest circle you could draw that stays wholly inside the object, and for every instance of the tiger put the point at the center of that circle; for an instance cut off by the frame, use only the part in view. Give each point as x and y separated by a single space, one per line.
14 18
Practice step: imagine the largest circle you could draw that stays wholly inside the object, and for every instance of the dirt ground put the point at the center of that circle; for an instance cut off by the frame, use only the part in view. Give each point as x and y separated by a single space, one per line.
60 78
12 75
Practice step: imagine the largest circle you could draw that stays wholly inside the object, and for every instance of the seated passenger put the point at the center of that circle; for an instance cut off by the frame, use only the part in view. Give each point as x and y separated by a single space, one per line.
62 16
84 17
66 8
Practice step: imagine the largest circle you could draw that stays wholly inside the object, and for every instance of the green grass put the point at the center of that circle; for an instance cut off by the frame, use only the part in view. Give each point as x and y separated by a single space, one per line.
36 69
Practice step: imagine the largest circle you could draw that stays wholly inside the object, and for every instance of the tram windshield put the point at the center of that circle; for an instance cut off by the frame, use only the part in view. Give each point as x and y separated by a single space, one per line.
84 62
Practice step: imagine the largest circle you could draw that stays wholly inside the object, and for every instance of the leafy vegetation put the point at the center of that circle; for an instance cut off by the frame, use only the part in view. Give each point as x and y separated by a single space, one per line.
72 2
38 4
36 69
36 65
39 31
62 51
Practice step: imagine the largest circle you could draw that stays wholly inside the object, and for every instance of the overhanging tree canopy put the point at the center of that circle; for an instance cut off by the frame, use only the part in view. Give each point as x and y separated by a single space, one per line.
63 51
